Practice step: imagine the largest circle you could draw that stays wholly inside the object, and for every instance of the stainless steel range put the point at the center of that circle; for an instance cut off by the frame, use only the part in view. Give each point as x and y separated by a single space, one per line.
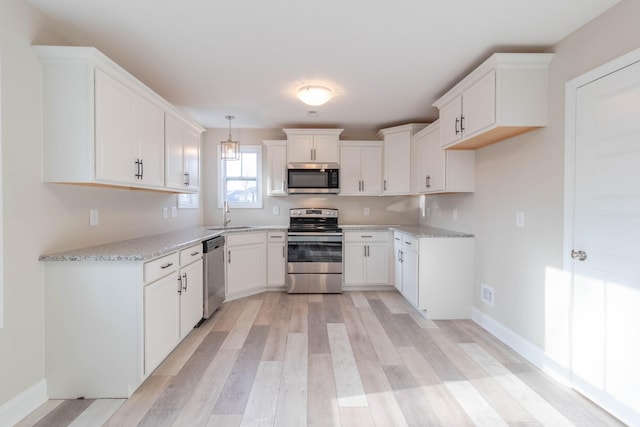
314 261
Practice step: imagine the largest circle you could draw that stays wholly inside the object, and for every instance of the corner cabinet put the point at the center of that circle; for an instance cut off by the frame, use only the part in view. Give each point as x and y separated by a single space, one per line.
276 168
505 96
182 154
246 264
312 145
102 126
396 172
360 168
436 170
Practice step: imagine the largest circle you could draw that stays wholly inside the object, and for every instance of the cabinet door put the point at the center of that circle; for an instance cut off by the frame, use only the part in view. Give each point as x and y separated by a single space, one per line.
479 104
397 250
148 137
191 296
377 262
246 269
419 160
450 130
354 264
174 153
276 264
115 151
397 163
326 149
350 176
410 276
435 164
161 314
371 170
191 149
277 169
299 148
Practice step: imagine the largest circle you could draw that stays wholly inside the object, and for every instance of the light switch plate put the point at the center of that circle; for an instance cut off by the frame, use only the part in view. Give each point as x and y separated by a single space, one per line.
165 212
520 219
93 217
276 210
174 211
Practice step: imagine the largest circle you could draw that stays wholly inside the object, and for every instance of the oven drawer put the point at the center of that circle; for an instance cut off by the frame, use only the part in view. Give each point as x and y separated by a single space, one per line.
314 267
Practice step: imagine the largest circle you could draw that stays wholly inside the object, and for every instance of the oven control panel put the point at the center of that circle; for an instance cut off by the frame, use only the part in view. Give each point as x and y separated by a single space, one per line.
314 213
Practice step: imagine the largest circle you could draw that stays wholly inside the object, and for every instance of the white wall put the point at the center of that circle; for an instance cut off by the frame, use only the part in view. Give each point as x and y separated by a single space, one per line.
40 218
526 174
383 210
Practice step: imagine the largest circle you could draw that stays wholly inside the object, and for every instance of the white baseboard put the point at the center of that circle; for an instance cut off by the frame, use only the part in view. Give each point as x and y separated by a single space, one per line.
526 349
23 404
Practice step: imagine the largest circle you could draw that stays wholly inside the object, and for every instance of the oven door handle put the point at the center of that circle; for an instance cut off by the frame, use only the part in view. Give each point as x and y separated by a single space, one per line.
311 233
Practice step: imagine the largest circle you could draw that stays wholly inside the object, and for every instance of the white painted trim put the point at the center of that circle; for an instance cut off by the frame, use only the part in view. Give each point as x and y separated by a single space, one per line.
522 346
23 404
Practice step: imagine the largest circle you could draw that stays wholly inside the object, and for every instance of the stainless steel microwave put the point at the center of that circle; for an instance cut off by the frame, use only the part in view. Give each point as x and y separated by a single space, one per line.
313 178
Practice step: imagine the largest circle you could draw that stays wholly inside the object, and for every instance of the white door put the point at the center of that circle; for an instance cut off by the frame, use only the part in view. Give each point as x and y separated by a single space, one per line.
191 297
606 276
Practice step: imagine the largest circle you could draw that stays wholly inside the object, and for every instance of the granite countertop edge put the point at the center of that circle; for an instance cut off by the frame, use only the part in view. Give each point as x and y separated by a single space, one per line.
157 245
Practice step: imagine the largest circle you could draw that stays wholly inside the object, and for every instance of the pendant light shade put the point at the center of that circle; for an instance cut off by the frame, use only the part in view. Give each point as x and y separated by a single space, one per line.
314 94
229 149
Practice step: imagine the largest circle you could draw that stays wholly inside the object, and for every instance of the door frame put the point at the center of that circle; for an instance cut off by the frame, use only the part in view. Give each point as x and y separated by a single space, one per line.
571 91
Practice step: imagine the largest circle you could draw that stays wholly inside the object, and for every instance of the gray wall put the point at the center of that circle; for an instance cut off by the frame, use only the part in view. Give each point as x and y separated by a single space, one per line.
526 173
39 218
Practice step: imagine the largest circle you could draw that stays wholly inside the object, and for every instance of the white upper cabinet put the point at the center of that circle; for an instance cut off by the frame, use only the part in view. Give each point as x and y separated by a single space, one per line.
505 96
436 170
396 175
312 145
182 155
276 168
102 126
360 168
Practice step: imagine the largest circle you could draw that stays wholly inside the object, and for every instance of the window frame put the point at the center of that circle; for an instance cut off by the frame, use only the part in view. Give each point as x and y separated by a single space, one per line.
257 149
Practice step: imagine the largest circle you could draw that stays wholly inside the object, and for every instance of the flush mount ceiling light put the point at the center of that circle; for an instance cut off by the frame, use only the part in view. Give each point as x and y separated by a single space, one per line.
229 149
314 94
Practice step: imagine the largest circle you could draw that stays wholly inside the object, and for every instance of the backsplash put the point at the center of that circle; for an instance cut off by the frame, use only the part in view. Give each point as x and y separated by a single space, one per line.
439 210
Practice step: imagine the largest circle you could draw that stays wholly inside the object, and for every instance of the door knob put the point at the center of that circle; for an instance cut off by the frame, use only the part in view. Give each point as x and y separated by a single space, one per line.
578 255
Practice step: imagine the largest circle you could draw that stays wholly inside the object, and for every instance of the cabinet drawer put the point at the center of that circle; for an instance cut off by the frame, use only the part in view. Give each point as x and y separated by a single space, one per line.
190 254
276 236
366 236
154 270
246 239
410 242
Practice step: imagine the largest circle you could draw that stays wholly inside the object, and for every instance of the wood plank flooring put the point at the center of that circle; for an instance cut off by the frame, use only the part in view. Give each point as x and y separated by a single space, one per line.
354 359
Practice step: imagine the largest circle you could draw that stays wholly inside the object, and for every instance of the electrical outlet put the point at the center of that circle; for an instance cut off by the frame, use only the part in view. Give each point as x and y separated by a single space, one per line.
367 211
174 211
275 210
454 214
165 212
487 294
428 212
93 217
520 219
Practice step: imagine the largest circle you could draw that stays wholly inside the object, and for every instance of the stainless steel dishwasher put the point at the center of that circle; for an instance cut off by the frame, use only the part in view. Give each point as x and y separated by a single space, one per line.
214 286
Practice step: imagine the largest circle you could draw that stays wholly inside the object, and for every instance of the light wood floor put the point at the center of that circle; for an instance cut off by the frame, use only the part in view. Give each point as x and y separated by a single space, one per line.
356 359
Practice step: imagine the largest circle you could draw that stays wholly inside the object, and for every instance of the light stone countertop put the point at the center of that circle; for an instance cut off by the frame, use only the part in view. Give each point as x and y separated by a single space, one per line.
157 245
149 247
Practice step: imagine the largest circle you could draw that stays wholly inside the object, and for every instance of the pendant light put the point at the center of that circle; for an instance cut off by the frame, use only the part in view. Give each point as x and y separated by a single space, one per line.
229 149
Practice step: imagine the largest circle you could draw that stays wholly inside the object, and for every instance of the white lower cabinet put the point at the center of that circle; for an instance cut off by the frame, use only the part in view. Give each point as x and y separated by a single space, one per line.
366 258
161 315
246 264
437 275
190 289
276 258
109 324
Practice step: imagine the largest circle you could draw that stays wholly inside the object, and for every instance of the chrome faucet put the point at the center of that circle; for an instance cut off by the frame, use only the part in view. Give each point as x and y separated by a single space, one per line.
226 218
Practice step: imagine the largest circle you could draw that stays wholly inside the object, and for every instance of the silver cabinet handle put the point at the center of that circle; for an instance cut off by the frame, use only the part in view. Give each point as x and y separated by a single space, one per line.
179 285
184 282
578 255
195 253
462 123
229 257
384 186
167 265
187 179
457 121
428 181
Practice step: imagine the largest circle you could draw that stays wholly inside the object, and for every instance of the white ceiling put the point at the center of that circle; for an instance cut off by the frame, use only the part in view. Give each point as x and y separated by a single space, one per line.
387 60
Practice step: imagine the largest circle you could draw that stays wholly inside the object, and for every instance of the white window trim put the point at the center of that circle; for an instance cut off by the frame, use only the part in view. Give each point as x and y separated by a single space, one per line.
258 203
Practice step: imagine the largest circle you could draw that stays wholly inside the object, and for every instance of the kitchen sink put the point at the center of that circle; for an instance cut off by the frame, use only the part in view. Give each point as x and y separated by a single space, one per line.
232 227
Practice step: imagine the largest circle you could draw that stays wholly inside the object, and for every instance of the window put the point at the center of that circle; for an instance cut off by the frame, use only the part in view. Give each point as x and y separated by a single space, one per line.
240 181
